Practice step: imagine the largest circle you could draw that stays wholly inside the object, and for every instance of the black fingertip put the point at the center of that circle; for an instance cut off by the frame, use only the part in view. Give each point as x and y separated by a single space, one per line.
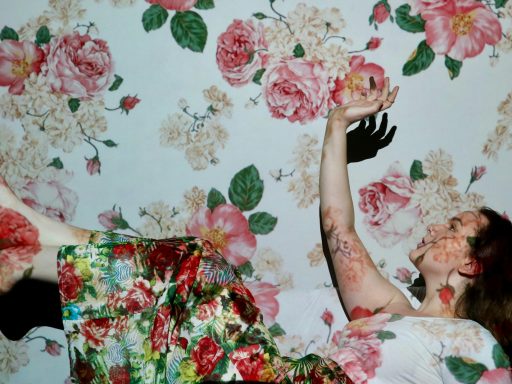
389 137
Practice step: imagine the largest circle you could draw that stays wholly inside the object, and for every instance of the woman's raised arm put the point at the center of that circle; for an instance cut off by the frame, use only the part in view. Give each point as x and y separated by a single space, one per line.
360 283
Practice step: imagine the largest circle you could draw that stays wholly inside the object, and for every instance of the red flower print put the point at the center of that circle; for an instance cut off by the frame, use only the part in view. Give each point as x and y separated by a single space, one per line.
84 371
119 375
461 28
367 325
227 229
297 90
160 329
380 12
79 66
93 165
360 312
374 43
113 220
139 296
205 355
250 362
124 251
95 331
264 295
187 275
446 294
357 81
174 5
164 256
207 310
18 59
70 284
19 240
327 317
239 52
128 103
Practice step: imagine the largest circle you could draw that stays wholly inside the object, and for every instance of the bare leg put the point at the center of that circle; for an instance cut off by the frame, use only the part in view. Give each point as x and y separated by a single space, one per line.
29 240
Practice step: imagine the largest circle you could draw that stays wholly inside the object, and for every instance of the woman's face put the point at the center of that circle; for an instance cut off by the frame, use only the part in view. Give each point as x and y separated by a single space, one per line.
446 246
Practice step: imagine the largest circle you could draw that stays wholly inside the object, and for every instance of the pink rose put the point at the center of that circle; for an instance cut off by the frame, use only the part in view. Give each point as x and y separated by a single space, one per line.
93 165
79 66
461 28
227 229
357 81
374 43
18 59
297 90
264 295
239 53
250 362
403 275
496 376
478 172
380 12
113 220
52 348
389 213
139 296
327 317
205 355
367 326
206 311
128 103
70 284
160 329
50 198
174 5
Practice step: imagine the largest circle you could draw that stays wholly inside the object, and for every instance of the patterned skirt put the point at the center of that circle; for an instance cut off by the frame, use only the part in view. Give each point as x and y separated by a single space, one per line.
139 310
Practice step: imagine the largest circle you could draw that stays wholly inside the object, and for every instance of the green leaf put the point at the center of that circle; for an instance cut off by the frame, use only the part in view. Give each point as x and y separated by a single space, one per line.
189 30
416 171
8 33
246 188
276 330
259 15
154 17
56 163
205 4
261 223
118 80
419 60
43 35
499 357
214 199
500 3
407 22
385 335
258 75
464 371
298 51
73 104
453 66
246 269
109 143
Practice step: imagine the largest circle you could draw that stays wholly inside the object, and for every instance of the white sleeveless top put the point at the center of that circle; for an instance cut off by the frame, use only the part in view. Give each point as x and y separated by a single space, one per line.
387 348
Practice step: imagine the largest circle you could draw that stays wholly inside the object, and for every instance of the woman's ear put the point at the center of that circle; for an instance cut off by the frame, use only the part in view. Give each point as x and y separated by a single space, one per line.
471 268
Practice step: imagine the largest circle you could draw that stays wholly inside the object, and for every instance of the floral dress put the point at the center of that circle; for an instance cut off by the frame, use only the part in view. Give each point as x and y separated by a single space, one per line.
139 310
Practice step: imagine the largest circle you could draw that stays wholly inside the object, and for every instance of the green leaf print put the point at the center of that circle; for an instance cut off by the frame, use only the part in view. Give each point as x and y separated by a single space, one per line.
205 4
407 22
276 330
262 223
246 188
43 35
73 104
245 269
154 17
419 60
298 51
214 199
189 30
8 33
466 372
500 3
499 357
453 66
56 163
416 171
258 75
118 80
385 335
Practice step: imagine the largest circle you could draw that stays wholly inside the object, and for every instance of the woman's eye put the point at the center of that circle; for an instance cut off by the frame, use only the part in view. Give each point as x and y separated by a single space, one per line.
452 227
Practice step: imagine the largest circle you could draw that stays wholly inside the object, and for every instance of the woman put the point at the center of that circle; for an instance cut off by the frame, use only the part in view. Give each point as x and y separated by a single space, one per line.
141 310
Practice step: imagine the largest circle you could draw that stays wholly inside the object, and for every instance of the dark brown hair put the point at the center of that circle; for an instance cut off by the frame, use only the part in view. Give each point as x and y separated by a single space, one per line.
488 299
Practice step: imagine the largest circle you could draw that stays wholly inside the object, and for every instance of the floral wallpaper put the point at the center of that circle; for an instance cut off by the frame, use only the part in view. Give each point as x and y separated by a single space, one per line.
165 118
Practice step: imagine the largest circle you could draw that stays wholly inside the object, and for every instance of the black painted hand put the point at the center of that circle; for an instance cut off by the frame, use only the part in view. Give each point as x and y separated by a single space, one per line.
364 141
